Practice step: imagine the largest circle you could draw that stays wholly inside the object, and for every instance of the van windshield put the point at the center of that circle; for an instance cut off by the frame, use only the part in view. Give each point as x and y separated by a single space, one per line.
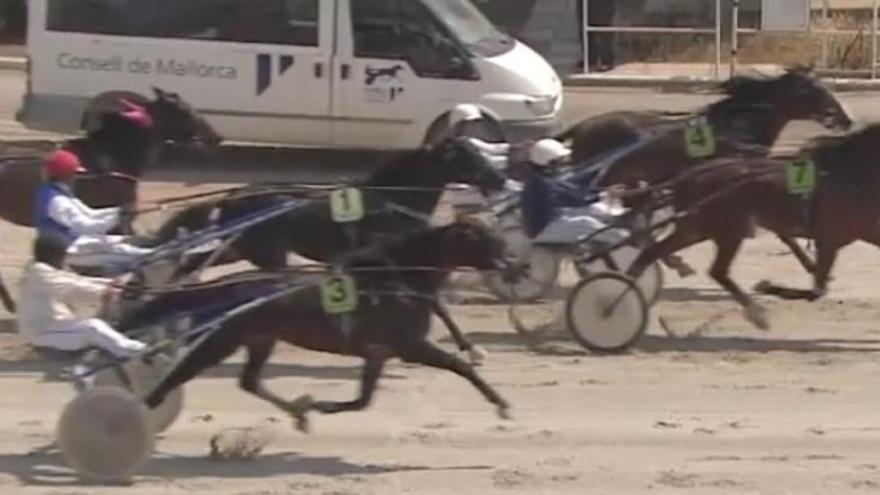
470 26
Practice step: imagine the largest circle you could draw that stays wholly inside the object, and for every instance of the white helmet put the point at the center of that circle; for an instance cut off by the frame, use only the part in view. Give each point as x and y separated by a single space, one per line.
547 151
464 113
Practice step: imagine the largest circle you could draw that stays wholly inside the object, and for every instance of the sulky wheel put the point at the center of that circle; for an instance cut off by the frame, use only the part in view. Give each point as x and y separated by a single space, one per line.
143 377
606 312
539 270
105 435
652 279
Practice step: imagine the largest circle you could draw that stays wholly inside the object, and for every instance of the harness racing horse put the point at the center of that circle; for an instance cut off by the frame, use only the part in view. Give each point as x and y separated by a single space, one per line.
122 144
730 197
397 198
745 123
397 282
754 111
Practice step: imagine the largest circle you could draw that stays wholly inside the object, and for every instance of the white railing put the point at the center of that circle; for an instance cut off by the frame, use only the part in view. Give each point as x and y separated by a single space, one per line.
735 30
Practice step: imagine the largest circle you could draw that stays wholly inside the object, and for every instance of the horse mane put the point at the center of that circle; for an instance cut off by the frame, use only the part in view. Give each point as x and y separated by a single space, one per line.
756 87
846 151
394 169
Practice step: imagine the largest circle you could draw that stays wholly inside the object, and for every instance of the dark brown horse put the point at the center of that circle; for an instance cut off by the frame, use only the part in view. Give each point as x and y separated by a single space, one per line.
392 318
754 111
115 152
399 197
745 123
729 200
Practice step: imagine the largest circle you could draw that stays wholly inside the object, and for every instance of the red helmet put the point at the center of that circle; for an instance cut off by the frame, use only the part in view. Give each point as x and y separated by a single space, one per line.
62 164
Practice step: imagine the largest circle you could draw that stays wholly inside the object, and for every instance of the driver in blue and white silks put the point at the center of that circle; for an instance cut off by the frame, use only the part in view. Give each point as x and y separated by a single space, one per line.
59 212
560 213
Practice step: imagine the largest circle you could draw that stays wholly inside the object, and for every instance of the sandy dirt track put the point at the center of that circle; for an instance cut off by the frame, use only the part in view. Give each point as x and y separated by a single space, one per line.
733 410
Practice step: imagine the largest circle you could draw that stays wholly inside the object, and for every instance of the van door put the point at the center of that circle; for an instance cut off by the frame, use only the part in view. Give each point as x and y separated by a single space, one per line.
397 69
287 98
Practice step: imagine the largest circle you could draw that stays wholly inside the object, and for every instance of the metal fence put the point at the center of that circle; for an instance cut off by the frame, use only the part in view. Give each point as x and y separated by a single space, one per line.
726 52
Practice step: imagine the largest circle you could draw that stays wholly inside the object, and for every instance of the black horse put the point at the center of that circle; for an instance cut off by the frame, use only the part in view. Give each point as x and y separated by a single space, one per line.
116 152
398 198
392 317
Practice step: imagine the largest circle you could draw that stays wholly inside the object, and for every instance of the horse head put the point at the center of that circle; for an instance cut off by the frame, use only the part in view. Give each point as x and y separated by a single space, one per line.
461 162
809 99
176 120
797 94
463 243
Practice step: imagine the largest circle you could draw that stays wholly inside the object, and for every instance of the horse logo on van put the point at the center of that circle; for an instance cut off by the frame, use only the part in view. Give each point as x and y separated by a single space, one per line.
383 84
373 75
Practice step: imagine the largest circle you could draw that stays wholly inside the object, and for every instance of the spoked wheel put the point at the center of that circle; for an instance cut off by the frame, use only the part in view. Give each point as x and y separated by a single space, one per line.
537 277
606 312
139 379
105 434
650 282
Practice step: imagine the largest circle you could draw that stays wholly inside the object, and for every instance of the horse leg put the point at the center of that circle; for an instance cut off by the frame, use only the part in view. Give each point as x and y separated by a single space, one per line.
826 255
678 264
374 362
799 253
683 236
209 353
428 354
727 248
257 355
476 353
6 297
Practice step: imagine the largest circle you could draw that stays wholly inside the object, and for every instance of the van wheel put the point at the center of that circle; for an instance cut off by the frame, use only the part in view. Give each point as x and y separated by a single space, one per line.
107 102
490 131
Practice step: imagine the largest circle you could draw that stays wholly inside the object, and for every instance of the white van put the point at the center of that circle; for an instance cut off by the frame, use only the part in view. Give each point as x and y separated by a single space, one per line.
377 74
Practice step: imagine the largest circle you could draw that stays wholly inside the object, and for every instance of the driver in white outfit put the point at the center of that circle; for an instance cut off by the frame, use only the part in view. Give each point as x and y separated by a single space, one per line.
53 299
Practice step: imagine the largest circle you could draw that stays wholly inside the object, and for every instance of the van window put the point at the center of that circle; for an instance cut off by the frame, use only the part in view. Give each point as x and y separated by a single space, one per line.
282 22
403 30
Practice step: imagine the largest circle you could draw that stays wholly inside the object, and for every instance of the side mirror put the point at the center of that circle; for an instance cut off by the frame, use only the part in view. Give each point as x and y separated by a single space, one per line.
460 68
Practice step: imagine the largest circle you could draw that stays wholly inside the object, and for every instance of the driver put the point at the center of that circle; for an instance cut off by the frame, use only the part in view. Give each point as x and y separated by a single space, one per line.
557 212
59 212
51 297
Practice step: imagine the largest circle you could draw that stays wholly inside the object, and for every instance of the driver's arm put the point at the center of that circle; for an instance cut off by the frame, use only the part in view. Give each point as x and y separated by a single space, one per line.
76 289
82 219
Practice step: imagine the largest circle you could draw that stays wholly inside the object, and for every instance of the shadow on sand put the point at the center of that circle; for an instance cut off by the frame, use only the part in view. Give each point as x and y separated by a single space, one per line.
46 467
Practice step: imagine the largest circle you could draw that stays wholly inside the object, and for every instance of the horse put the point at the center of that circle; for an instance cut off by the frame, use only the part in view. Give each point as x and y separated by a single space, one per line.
396 281
745 123
399 197
115 152
727 200
754 111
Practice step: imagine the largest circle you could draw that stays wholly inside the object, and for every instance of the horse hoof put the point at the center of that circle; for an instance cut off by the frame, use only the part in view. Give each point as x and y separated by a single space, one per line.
763 287
299 409
686 271
504 413
477 355
302 423
757 315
